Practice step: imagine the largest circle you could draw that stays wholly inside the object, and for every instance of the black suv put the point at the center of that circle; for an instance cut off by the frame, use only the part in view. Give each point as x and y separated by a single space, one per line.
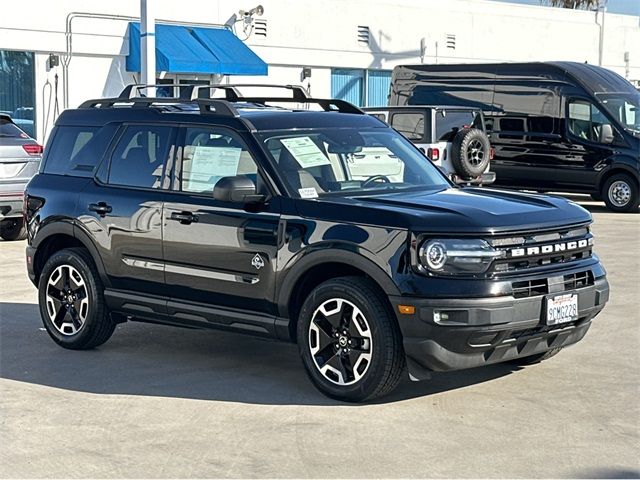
326 228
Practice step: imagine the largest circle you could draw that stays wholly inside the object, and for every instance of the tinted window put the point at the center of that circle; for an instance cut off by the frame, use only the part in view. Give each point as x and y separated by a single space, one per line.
585 120
210 154
9 130
139 156
448 122
70 152
411 125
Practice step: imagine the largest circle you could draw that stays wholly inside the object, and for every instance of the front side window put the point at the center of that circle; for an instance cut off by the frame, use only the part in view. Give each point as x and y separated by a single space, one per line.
585 120
347 160
210 154
625 108
411 125
139 156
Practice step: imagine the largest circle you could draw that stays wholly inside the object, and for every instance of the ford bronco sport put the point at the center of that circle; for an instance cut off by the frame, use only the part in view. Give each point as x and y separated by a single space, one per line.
326 228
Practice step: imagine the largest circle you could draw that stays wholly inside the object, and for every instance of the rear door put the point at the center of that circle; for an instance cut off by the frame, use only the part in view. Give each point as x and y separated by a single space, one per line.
122 210
220 256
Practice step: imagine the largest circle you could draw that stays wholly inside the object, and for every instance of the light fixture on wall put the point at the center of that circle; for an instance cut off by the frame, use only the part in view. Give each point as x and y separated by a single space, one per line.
247 19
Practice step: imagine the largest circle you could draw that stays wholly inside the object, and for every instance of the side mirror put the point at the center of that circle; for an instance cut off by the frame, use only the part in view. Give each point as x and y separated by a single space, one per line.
606 133
238 189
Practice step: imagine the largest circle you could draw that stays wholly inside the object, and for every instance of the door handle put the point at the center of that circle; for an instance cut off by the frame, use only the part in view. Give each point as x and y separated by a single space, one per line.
185 218
101 208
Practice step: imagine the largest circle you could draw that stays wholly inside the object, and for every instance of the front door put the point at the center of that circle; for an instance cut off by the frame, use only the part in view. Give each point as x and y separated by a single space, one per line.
220 257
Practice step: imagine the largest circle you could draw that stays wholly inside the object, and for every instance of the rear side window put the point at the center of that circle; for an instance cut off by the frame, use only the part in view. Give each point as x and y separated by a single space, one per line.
71 151
411 125
139 156
8 129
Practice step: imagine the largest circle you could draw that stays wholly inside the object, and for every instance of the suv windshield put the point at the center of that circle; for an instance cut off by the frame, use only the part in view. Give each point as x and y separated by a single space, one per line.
9 129
624 107
326 160
448 122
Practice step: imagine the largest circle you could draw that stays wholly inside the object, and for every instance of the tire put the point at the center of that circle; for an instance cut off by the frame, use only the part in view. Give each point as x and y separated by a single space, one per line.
359 316
13 229
470 152
85 324
537 358
596 196
620 193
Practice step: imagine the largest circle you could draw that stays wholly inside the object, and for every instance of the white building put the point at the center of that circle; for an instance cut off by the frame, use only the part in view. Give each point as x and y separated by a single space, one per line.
350 45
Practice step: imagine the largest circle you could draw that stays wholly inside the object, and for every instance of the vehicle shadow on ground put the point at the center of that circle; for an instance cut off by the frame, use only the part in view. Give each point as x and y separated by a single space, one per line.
153 360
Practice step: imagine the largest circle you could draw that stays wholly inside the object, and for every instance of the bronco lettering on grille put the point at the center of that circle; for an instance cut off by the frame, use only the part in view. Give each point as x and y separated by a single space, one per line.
546 249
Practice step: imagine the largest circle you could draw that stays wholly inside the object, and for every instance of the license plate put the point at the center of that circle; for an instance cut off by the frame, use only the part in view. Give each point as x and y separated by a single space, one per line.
562 308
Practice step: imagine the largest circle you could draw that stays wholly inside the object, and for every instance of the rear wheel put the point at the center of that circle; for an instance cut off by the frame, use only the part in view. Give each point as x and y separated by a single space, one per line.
71 301
620 193
537 358
349 342
13 229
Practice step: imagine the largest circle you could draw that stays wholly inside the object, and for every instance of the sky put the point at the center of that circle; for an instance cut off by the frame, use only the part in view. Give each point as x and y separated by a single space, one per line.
627 7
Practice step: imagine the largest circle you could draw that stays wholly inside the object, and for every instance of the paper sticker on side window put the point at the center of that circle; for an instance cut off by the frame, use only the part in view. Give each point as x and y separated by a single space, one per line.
306 153
208 165
309 192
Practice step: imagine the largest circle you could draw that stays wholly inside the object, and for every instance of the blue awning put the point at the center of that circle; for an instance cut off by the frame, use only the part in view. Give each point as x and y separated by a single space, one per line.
196 50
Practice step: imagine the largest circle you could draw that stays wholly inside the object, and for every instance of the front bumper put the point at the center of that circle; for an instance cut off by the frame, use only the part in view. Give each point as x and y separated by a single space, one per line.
471 332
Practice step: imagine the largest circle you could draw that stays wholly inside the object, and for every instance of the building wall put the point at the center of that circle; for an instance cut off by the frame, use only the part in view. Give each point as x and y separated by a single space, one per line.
318 34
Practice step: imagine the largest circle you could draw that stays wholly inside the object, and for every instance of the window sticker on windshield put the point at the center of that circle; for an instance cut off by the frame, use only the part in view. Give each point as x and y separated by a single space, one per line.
306 153
209 164
309 192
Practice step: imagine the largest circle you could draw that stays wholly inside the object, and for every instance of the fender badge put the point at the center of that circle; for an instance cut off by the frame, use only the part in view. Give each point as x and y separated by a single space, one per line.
257 262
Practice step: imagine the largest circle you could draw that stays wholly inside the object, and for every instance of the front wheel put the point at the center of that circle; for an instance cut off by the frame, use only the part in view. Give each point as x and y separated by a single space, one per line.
620 193
349 342
72 306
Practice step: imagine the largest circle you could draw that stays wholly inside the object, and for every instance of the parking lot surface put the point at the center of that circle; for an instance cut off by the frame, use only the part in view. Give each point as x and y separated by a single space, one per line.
158 401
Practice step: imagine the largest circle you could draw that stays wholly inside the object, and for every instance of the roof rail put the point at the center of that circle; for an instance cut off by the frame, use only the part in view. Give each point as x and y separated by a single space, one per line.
190 94
206 105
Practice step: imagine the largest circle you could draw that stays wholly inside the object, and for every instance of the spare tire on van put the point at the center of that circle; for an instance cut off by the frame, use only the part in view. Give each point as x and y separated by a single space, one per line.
470 152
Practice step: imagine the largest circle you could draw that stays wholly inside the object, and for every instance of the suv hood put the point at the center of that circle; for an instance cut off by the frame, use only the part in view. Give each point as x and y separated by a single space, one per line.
472 210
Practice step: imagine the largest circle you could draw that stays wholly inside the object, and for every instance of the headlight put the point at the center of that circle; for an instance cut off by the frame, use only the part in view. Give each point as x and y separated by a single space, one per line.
456 256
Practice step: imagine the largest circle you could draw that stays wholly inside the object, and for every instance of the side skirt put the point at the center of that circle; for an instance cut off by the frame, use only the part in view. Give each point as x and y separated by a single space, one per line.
153 309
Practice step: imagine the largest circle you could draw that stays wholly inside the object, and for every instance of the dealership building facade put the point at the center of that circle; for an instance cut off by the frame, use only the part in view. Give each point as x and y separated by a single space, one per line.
58 54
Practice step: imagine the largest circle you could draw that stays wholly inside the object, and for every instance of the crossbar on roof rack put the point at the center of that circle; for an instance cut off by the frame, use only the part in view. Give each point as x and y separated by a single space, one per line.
189 94
206 105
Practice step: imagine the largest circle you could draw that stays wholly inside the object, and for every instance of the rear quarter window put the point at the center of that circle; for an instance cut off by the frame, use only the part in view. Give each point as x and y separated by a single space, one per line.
76 150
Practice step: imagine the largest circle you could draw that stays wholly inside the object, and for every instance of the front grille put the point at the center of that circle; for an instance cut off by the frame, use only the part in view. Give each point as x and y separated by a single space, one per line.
529 251
540 286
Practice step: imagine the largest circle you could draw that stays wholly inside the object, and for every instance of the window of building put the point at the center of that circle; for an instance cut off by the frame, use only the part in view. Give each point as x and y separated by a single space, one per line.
139 157
17 89
210 154
361 87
